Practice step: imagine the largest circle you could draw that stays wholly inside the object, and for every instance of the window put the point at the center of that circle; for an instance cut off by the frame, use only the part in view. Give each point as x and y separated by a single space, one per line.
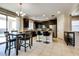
75 25
2 27
9 23
12 23
2 24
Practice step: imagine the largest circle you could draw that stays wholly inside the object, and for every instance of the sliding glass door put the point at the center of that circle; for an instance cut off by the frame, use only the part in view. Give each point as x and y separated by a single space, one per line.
7 23
2 27
12 23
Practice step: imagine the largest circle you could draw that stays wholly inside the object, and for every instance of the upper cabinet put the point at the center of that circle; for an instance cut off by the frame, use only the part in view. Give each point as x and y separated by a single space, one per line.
25 22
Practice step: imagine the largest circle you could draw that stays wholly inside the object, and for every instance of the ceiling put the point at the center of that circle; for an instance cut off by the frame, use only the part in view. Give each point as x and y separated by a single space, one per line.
40 11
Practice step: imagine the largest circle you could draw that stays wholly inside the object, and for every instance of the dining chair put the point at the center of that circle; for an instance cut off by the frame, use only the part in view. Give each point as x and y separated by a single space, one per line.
14 32
24 40
9 42
6 35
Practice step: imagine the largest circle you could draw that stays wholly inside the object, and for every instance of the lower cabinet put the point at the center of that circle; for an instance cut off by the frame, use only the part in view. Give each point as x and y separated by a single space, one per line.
69 38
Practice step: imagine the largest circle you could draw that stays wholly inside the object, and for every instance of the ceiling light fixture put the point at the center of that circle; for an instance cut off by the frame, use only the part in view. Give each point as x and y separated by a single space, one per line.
44 15
47 18
58 12
20 13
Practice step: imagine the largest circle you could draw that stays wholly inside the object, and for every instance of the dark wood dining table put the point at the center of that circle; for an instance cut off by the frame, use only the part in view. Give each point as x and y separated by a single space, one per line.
17 40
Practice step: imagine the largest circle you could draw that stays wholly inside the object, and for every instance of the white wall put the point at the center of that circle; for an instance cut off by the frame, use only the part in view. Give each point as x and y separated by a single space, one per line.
63 24
20 23
60 26
67 23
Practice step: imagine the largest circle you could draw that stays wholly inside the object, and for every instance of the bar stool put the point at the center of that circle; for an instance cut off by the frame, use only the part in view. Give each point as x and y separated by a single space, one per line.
46 34
39 33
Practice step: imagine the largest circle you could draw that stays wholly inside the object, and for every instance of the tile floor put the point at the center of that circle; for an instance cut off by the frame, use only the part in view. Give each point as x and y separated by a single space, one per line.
58 48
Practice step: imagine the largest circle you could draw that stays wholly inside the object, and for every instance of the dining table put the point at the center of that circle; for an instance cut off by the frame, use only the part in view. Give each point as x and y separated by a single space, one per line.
18 36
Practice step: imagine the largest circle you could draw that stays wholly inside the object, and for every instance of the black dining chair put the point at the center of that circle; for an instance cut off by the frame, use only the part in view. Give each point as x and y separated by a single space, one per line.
14 32
25 40
6 36
34 34
9 42
46 34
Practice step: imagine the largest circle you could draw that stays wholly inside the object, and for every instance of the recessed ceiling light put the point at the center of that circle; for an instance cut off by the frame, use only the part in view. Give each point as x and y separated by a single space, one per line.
44 15
23 14
17 13
47 18
58 12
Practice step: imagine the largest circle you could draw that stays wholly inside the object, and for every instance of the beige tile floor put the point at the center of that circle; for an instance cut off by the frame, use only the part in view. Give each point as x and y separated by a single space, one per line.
58 48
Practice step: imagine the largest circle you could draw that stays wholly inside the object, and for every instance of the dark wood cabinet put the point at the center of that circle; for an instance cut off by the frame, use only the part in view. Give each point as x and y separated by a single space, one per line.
38 25
26 22
46 24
